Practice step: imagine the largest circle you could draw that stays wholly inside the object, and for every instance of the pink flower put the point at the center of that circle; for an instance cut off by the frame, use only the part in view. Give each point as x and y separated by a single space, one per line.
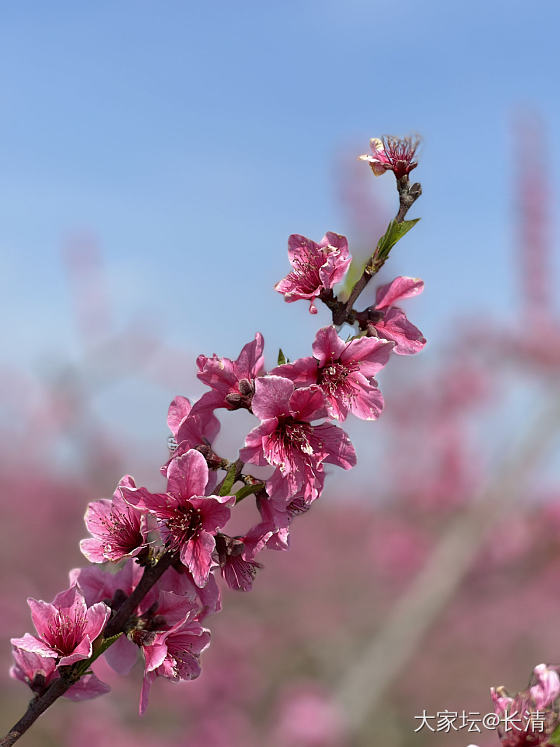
173 598
174 654
547 688
273 531
192 428
286 439
392 154
530 717
118 530
232 382
316 267
236 564
100 584
501 700
38 672
188 519
66 627
389 321
344 372
157 612
208 599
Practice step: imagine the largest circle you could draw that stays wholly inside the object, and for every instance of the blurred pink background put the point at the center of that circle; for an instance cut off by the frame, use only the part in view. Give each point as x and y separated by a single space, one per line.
149 186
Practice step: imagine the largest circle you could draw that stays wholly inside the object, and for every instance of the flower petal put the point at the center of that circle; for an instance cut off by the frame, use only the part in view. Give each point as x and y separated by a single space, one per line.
197 556
398 289
178 411
87 687
213 511
122 655
96 617
272 397
337 444
370 353
34 646
395 326
327 346
187 475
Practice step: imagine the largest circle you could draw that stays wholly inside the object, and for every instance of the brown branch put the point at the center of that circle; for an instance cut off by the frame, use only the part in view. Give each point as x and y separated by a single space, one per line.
152 574
117 624
36 707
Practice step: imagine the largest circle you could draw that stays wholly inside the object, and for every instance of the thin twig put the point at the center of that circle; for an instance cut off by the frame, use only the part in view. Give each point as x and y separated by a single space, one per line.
342 311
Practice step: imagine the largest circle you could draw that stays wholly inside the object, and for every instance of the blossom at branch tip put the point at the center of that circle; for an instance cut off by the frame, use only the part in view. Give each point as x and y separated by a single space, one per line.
287 440
344 371
175 654
232 382
38 672
66 627
117 530
392 154
389 321
315 267
187 519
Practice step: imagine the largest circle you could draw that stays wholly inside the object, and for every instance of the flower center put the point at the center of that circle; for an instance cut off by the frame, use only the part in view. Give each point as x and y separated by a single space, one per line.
400 153
185 524
122 532
291 443
306 270
65 632
335 382
296 435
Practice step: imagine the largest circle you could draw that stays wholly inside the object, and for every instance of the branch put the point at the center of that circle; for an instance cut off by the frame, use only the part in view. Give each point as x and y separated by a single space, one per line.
342 311
233 475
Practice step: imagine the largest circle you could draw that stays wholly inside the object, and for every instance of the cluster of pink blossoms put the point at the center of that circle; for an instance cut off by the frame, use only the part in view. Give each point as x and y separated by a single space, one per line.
182 530
531 717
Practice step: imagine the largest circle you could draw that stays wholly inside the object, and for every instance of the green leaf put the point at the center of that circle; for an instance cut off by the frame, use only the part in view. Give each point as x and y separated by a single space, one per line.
554 738
395 231
229 479
248 490
281 357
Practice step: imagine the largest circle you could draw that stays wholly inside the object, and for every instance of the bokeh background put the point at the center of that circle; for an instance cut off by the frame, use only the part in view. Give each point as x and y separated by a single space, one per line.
154 159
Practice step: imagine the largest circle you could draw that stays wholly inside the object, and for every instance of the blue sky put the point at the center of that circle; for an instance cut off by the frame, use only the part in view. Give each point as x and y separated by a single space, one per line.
192 138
